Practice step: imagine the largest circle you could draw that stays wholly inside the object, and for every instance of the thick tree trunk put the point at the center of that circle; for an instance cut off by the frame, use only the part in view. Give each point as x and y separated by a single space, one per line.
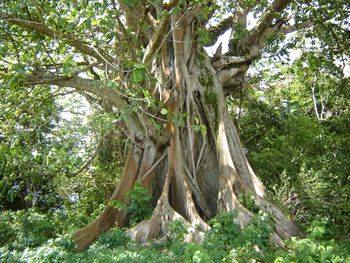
192 175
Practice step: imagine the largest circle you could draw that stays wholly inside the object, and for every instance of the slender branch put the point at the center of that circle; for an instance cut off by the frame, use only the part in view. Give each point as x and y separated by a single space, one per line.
55 65
199 160
292 28
201 152
147 174
88 67
190 135
314 100
62 93
152 115
91 159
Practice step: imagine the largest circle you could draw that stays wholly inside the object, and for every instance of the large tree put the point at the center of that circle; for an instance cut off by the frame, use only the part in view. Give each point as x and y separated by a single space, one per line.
145 63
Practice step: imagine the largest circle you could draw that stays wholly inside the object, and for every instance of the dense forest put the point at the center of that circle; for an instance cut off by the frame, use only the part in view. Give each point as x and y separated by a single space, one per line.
174 131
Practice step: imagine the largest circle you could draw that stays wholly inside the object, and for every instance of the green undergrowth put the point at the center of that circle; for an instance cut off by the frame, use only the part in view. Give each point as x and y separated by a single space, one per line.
37 238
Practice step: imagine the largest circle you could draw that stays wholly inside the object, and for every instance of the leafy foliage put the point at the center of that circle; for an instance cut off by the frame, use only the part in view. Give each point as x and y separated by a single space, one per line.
35 237
140 206
301 155
113 239
227 241
314 248
27 120
23 229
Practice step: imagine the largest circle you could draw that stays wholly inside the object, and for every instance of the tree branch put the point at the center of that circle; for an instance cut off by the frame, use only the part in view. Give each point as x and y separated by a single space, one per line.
72 40
156 41
266 19
147 174
91 159
80 84
292 28
219 29
227 61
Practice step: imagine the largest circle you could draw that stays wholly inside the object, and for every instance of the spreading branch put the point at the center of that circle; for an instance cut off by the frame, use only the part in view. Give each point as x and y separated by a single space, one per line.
71 39
95 87
265 20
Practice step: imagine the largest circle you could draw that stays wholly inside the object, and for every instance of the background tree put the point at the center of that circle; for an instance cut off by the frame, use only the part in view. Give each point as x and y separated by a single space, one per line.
280 119
143 62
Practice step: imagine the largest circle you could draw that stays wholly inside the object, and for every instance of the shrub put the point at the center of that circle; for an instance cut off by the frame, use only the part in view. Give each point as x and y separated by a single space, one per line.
226 241
304 164
113 238
22 229
314 248
177 230
197 254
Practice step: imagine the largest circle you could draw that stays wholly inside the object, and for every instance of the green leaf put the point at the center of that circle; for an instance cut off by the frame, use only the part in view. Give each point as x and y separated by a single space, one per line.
164 111
84 130
184 114
3 51
203 129
117 205
94 22
138 75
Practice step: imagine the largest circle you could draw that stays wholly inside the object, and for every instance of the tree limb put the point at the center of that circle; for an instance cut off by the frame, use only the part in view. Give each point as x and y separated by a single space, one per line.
219 29
156 41
72 40
227 61
266 19
292 28
92 86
